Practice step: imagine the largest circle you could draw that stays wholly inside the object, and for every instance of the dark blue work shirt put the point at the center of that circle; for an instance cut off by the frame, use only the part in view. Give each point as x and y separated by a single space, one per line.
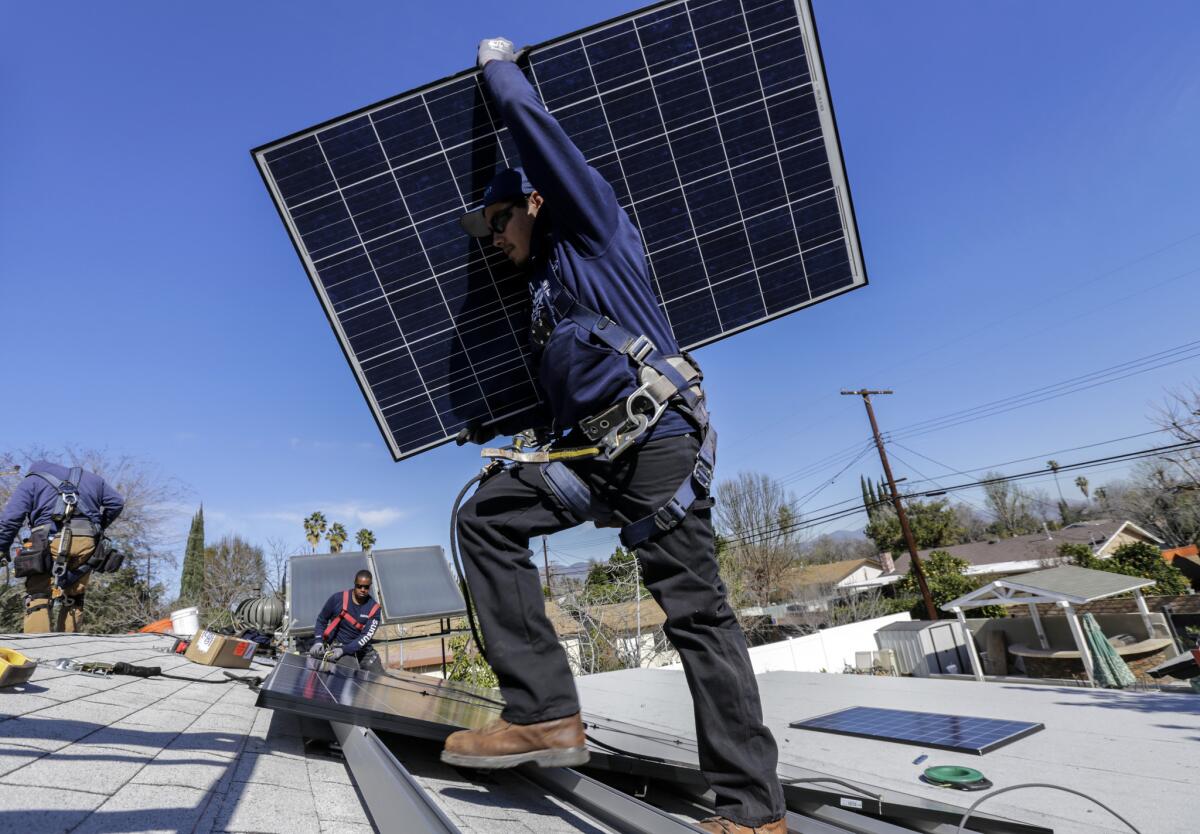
597 254
35 499
351 639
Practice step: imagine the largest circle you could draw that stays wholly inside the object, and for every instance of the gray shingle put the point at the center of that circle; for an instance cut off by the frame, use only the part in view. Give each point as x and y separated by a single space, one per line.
268 809
269 769
186 768
100 770
53 809
327 770
147 809
338 803
158 717
13 757
18 702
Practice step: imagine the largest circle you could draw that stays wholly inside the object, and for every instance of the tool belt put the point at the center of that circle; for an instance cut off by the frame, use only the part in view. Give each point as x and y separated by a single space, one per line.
663 382
34 558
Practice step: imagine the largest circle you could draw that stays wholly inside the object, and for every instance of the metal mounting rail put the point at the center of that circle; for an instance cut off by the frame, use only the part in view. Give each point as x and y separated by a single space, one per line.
390 791
619 811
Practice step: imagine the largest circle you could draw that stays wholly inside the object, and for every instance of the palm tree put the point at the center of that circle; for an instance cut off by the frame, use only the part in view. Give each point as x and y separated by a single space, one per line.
1082 483
314 529
365 539
1054 466
336 538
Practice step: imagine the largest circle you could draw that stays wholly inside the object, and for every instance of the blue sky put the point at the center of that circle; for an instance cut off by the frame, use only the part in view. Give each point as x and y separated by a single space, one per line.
1024 174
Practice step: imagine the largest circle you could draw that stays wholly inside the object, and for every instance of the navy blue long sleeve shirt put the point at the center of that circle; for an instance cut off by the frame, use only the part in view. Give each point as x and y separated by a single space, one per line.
351 639
597 254
35 499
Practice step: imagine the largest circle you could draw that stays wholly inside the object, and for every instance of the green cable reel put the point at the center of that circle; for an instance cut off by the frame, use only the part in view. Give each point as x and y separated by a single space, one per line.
957 777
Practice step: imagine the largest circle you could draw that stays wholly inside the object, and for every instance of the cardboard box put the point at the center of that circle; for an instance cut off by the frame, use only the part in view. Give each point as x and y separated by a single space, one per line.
218 650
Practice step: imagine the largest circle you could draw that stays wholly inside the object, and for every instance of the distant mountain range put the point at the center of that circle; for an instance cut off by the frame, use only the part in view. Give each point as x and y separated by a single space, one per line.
575 570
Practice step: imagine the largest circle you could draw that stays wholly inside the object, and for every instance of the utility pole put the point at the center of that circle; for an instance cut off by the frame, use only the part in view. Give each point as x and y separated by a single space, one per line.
546 564
930 608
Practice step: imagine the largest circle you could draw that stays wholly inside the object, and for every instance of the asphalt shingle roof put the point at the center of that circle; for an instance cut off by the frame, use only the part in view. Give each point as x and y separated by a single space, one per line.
90 754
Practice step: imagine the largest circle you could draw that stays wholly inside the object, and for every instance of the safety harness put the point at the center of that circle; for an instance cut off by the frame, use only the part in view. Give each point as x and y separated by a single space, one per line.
64 510
663 382
348 617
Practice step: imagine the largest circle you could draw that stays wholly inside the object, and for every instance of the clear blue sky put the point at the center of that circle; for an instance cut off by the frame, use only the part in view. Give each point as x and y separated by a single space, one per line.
1025 176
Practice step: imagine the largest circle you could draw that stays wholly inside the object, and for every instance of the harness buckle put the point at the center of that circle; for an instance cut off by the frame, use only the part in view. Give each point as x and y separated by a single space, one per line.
703 473
640 349
70 498
669 514
643 395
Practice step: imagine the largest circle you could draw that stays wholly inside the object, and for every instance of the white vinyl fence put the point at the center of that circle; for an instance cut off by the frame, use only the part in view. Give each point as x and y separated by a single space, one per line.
826 651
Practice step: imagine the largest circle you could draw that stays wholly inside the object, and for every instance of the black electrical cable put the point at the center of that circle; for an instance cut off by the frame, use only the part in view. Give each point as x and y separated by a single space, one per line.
458 568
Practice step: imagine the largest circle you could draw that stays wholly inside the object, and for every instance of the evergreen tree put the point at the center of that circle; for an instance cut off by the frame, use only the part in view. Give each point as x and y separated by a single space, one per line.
191 585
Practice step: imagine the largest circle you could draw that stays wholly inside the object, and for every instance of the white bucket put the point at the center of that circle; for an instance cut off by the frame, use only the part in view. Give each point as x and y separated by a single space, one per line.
185 622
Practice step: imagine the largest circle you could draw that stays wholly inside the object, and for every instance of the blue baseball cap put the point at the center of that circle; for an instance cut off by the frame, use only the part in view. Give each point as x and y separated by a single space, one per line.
511 184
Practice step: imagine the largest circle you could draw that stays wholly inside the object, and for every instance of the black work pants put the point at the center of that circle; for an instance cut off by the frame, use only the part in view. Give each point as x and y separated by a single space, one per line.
679 567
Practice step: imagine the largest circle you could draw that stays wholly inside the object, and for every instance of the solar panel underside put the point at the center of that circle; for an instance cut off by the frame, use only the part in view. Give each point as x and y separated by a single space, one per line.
711 120
962 733
313 579
414 583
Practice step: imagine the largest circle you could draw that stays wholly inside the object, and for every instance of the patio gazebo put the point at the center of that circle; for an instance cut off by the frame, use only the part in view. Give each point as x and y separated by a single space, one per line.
1065 587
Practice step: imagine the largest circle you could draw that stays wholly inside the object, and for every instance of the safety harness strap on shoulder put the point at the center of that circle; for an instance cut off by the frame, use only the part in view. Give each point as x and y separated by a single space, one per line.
345 614
64 510
674 380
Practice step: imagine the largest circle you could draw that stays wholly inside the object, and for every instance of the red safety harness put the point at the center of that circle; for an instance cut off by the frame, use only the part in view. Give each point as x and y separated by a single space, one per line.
348 617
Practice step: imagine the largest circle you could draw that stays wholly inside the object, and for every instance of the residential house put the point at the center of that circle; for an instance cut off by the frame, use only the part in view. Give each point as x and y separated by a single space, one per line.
811 587
1024 553
632 631
1187 559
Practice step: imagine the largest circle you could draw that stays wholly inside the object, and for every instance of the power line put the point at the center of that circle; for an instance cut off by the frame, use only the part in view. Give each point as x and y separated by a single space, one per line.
767 534
1043 456
1104 376
975 329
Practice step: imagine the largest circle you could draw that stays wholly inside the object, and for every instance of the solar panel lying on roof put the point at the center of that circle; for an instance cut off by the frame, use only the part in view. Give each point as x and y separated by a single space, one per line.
711 120
928 729
416 705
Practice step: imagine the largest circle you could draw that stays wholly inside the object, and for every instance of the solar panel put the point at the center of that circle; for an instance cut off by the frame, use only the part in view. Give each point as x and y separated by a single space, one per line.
415 705
312 580
711 120
962 733
414 583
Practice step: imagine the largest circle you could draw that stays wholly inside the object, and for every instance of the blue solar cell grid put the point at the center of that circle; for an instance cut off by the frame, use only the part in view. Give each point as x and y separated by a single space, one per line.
710 119
928 729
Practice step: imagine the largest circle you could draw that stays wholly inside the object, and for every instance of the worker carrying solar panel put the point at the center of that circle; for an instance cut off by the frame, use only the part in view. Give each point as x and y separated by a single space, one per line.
609 368
67 511
347 624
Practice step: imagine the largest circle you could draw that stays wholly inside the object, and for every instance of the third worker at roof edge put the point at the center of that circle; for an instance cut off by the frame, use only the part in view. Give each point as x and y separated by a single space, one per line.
67 511
559 220
347 624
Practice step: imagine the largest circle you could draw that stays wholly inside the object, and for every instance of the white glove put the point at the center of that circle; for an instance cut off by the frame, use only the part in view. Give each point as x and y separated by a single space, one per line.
496 49
317 649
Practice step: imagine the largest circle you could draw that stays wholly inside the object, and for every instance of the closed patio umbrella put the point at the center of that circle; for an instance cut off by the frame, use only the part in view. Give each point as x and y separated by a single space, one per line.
1110 670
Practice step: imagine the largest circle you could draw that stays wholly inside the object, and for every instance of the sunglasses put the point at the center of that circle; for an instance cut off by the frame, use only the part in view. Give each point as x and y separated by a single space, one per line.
366 587
499 221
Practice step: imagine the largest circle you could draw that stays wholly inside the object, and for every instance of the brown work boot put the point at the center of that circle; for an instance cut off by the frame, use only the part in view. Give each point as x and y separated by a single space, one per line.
557 743
720 825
